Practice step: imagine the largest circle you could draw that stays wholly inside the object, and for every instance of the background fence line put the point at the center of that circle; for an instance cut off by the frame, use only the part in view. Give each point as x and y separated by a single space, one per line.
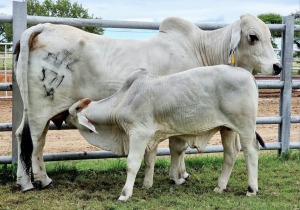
285 84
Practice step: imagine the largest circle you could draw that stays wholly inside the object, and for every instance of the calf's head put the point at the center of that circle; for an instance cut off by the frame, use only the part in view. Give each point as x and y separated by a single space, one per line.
252 48
77 116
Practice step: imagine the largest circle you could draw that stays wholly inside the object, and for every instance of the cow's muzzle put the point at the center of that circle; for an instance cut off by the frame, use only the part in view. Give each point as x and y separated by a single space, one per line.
277 68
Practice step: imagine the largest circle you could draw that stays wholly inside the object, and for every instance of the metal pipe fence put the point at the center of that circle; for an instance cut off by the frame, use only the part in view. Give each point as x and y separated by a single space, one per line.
285 83
5 68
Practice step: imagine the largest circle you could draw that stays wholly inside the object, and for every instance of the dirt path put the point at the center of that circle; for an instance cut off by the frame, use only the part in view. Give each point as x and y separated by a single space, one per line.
71 140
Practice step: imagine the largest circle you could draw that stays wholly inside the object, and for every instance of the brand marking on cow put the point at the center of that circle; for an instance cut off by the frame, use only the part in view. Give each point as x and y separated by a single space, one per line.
52 78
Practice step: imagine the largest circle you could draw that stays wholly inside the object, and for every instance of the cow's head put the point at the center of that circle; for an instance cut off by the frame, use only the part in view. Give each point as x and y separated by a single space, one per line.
77 116
252 48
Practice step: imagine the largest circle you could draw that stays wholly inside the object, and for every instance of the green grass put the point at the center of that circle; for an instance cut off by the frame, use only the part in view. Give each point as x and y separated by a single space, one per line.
96 184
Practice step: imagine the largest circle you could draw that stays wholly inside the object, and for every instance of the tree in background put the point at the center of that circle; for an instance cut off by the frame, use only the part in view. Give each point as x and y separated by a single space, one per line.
61 8
272 18
58 8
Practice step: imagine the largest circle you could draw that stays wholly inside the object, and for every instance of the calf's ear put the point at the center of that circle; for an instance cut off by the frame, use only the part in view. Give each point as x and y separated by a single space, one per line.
87 123
84 102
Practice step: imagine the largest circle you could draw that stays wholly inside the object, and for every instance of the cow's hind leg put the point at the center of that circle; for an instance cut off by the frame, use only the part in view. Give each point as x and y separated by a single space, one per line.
231 146
149 159
178 172
24 169
137 147
41 179
250 149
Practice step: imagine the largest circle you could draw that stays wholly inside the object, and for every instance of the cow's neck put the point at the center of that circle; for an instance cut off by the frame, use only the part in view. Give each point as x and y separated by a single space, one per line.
214 46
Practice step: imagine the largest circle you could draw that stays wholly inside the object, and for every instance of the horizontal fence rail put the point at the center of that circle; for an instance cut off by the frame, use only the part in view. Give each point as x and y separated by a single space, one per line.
280 83
160 152
119 24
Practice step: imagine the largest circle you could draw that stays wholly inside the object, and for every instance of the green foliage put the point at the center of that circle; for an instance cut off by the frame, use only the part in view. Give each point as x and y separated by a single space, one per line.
96 184
61 8
272 18
52 8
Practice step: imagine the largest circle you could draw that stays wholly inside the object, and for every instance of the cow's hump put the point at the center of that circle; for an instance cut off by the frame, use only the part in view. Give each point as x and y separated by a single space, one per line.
175 24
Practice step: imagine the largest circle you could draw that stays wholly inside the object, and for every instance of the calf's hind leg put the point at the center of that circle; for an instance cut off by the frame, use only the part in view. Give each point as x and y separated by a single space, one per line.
178 172
250 148
149 159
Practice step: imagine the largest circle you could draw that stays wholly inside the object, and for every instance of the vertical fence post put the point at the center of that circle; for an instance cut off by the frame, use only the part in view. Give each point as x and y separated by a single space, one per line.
286 91
19 25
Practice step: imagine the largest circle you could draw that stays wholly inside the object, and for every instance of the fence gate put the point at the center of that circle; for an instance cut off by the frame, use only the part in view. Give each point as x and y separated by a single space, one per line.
19 19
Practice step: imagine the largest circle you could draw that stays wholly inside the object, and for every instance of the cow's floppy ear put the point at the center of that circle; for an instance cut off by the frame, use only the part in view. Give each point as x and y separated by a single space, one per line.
234 41
84 102
87 123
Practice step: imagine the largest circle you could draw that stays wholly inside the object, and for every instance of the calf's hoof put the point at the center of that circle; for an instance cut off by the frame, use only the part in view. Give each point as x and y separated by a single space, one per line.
186 176
251 192
147 185
178 181
219 190
123 198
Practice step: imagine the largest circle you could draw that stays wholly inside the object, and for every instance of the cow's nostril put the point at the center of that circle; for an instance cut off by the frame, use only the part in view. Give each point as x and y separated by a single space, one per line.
277 68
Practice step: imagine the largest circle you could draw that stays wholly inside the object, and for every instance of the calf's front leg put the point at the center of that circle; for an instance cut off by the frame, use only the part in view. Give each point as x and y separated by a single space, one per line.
137 147
231 147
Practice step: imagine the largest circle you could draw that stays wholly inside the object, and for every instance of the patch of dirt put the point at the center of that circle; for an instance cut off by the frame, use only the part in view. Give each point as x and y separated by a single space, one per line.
72 141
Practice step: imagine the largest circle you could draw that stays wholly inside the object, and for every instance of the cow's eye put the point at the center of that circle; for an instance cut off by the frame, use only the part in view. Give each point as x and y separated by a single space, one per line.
253 38
77 108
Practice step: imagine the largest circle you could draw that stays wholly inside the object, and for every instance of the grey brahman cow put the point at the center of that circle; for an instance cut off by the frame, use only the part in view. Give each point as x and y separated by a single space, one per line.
57 65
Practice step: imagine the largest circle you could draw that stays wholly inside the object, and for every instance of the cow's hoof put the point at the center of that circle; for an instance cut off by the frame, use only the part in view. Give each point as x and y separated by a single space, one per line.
39 185
43 183
27 187
18 187
178 181
219 190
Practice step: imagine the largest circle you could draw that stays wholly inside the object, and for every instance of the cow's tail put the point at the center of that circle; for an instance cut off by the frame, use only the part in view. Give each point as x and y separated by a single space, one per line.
21 52
260 140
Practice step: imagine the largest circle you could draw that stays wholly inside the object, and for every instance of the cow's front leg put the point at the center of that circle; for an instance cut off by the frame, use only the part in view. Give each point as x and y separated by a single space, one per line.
178 172
137 147
23 178
231 146
41 179
149 159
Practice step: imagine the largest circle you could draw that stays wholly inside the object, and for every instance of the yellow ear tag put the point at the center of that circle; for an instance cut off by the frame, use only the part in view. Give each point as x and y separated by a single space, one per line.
232 59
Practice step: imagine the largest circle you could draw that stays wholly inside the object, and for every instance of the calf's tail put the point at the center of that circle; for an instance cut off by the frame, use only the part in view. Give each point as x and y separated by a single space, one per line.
260 140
